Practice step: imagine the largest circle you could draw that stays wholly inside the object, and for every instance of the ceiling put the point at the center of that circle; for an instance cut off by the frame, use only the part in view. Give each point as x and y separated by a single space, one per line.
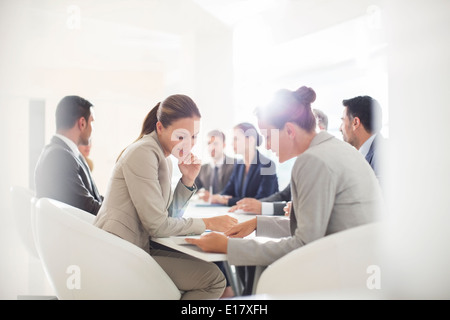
147 34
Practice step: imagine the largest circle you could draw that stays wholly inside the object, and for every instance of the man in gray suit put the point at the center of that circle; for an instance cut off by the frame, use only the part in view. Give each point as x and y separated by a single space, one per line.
214 176
61 172
361 124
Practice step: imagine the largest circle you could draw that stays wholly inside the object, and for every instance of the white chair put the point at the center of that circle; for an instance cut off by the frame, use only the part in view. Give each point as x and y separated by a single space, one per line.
37 285
22 199
85 262
341 265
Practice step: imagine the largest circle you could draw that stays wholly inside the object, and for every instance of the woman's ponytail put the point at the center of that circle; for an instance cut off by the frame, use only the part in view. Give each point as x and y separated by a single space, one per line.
148 126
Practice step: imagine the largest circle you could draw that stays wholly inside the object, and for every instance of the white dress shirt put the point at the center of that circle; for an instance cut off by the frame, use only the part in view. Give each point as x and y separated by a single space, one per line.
364 149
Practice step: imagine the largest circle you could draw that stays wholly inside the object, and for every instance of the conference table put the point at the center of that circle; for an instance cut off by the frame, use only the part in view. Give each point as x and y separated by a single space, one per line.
199 209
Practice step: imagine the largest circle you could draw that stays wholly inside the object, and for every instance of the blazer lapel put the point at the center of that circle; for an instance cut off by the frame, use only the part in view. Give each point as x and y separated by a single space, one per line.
254 167
240 187
90 182
222 171
87 172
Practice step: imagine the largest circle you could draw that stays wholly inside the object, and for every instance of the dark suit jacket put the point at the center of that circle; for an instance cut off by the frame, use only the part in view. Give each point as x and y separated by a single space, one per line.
279 200
204 177
62 176
261 180
374 155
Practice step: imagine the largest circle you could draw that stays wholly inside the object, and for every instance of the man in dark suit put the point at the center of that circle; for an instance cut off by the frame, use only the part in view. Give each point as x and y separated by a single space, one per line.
361 124
214 176
61 172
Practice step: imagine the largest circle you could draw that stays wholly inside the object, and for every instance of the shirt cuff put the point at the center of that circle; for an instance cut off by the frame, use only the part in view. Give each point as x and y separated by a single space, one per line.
267 208
194 187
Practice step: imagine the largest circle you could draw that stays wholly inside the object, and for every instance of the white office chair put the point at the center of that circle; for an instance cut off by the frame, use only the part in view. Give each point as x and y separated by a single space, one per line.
22 199
37 285
86 262
341 265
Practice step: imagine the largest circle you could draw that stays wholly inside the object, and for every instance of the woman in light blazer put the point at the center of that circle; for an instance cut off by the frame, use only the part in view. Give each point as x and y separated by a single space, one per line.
139 203
333 187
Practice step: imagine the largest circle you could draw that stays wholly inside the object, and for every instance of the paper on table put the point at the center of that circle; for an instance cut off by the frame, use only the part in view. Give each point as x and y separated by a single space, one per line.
181 239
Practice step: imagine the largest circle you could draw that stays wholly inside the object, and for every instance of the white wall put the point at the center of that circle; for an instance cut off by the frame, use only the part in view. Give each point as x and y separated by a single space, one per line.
417 244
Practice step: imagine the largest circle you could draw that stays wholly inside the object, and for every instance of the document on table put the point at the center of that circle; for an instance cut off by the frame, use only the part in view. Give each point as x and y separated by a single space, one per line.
181 239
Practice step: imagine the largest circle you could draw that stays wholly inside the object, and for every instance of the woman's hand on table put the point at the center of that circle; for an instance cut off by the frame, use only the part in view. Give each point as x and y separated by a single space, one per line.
211 242
242 230
218 243
220 223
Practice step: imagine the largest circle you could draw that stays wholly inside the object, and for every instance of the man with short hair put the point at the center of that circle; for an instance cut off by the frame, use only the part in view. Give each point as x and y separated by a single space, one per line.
61 172
361 124
214 176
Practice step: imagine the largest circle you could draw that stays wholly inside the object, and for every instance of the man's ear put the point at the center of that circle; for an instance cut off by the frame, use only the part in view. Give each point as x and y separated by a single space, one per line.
81 123
356 123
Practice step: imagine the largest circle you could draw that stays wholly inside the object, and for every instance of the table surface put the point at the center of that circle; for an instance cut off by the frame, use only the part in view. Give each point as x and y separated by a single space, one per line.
198 209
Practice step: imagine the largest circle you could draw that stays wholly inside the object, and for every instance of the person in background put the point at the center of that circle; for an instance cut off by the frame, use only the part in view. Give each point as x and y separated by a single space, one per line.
361 125
61 172
321 120
214 176
86 151
140 204
333 188
255 176
275 204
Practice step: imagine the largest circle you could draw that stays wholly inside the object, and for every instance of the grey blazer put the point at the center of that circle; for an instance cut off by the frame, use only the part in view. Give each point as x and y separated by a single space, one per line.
333 188
139 202
205 175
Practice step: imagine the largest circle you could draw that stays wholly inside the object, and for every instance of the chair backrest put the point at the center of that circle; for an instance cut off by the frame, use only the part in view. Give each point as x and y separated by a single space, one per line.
343 262
86 262
22 206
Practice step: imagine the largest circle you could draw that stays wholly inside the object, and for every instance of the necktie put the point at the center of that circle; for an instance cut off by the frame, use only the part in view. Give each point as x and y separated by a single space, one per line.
215 181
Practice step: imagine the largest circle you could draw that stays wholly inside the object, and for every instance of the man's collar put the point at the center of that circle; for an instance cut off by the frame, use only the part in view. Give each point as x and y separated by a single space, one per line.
364 149
69 143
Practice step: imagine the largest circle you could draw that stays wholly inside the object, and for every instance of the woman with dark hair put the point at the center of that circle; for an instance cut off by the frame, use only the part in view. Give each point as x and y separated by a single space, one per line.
333 187
139 202
255 176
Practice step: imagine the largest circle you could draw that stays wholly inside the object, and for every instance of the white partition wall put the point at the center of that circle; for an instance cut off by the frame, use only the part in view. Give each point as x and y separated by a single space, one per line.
417 244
